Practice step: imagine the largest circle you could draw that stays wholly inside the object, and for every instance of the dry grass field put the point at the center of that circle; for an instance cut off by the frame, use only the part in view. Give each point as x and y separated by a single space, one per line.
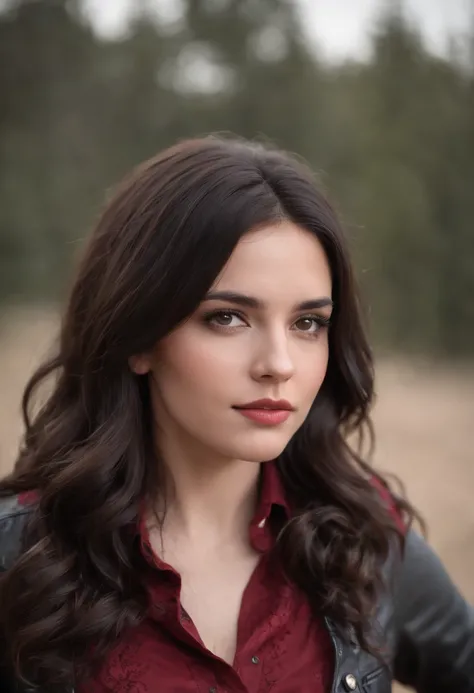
424 421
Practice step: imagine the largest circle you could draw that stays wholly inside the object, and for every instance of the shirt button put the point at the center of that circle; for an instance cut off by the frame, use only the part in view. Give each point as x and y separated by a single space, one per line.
350 682
213 689
255 660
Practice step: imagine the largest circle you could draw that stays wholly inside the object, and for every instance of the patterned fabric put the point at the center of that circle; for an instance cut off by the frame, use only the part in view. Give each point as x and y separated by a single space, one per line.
281 648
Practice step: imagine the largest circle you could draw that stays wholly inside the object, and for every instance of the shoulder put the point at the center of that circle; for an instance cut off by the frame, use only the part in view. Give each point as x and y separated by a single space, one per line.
15 505
14 513
434 624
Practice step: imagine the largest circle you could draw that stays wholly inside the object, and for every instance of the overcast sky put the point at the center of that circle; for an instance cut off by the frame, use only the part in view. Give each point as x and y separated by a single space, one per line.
340 26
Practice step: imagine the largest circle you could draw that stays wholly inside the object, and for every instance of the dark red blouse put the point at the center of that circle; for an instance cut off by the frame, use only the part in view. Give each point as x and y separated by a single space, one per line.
281 647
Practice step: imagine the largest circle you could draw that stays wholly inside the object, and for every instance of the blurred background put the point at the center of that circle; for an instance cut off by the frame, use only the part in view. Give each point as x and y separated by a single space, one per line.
378 96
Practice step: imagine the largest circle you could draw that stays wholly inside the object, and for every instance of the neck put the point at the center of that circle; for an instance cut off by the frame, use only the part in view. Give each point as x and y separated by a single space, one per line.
206 496
213 502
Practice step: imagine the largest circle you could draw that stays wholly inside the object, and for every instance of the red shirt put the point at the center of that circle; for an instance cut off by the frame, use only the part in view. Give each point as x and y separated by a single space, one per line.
281 647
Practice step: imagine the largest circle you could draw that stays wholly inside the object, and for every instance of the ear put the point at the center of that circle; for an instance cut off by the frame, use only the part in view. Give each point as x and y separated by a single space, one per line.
139 364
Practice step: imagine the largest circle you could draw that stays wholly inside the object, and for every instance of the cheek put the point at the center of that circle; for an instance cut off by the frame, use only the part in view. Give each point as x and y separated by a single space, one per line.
186 362
312 376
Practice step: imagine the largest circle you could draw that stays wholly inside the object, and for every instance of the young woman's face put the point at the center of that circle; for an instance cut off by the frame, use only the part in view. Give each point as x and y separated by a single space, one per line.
260 334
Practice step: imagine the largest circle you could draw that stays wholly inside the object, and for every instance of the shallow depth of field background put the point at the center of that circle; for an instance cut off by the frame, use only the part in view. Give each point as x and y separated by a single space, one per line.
378 96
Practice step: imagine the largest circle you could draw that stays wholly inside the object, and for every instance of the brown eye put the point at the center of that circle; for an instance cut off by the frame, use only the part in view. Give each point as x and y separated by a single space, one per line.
307 325
310 324
224 318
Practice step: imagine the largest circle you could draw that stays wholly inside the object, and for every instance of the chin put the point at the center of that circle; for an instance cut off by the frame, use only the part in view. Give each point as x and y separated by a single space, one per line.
259 451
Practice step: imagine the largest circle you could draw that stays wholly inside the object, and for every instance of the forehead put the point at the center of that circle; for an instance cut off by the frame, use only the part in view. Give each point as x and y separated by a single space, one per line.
278 259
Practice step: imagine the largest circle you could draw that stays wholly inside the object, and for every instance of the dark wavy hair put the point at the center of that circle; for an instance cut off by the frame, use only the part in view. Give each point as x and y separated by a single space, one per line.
87 452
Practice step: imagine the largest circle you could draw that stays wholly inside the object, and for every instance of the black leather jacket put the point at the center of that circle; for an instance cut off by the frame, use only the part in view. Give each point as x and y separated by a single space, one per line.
427 626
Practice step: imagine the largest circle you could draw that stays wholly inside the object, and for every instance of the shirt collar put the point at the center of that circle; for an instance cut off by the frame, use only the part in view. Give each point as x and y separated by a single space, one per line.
271 496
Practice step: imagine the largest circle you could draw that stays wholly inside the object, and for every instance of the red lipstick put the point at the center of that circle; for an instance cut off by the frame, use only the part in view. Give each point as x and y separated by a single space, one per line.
269 412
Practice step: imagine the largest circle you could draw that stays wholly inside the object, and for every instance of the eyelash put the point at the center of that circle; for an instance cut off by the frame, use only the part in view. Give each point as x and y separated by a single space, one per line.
321 321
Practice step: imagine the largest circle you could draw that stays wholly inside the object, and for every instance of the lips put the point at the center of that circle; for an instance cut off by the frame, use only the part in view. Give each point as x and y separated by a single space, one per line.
267 412
270 404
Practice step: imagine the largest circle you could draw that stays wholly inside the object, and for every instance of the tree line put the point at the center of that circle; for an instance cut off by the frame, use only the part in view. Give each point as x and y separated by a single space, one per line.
391 137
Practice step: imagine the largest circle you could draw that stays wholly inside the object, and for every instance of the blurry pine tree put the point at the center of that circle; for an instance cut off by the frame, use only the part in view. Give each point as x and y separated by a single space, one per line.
393 139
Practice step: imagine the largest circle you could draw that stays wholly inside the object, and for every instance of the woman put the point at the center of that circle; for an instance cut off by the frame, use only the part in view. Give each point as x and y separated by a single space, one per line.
185 513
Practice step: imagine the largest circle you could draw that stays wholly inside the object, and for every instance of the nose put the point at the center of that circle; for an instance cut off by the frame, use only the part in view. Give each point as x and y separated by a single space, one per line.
273 361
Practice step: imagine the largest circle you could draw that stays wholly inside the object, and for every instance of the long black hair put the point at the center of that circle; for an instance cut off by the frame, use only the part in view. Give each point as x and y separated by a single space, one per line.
87 453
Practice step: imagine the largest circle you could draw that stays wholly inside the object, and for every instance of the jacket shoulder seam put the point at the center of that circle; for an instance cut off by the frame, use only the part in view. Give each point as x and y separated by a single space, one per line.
11 508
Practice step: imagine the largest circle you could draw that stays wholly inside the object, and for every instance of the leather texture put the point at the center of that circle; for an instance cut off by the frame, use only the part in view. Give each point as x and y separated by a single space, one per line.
427 628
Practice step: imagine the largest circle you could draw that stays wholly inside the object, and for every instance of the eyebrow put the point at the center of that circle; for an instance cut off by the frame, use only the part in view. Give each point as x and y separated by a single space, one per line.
251 302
